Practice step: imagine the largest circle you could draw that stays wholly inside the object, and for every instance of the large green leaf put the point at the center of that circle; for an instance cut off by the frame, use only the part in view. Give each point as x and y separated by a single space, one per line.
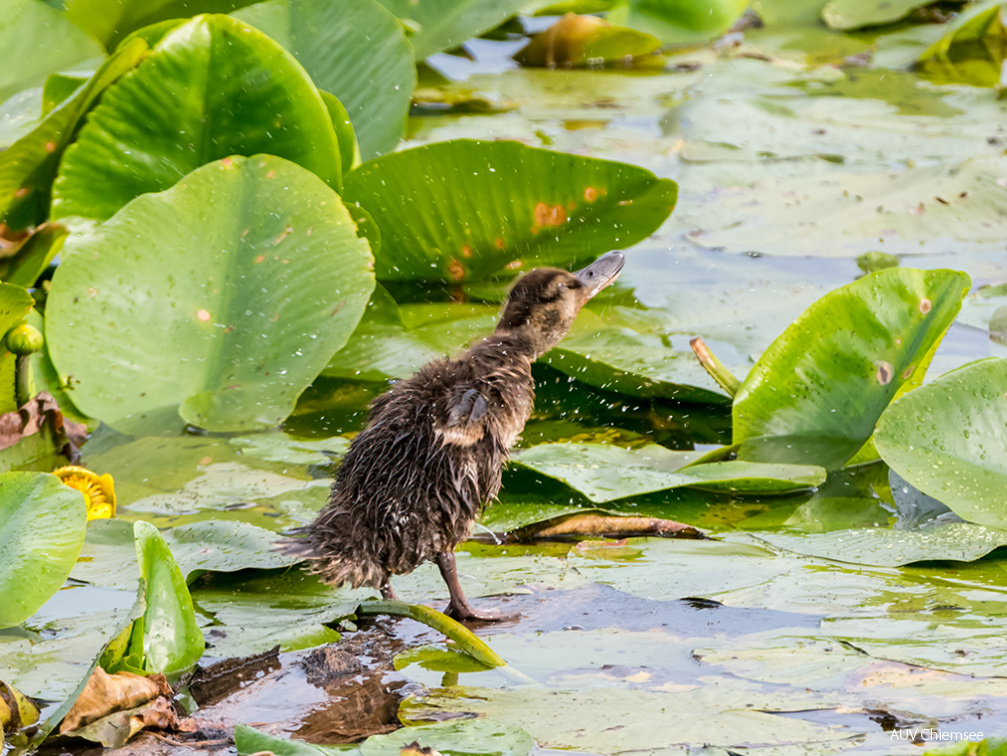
679 21
355 50
42 524
856 14
818 390
439 25
948 438
111 20
603 472
464 209
172 642
971 51
243 94
473 737
250 274
27 168
36 40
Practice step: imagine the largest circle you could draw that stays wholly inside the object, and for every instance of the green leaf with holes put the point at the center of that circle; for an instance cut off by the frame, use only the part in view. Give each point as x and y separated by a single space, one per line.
465 209
817 392
247 275
948 439
211 88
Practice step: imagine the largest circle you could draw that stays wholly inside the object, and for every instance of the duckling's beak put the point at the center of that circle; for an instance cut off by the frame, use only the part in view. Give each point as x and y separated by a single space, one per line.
601 272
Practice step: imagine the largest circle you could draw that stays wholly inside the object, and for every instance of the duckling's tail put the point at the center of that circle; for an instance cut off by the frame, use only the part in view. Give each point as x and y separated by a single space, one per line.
336 560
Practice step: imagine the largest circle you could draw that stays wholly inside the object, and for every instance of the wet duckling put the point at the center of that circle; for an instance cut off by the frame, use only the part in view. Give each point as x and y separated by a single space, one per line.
432 454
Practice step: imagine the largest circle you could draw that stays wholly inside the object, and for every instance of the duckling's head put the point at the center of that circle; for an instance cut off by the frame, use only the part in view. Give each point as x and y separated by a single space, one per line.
544 302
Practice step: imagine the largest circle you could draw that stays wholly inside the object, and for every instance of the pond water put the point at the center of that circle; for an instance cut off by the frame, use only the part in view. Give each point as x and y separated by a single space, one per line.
794 156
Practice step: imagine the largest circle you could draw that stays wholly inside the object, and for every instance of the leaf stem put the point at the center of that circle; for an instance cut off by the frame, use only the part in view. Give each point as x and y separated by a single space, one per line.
717 369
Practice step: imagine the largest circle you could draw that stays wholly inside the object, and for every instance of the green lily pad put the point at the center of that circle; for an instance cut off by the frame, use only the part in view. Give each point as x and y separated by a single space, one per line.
585 41
463 737
464 209
620 359
239 348
357 51
603 472
679 21
244 94
248 741
846 15
890 547
110 21
817 392
947 440
38 39
971 51
292 610
439 25
172 642
28 166
42 524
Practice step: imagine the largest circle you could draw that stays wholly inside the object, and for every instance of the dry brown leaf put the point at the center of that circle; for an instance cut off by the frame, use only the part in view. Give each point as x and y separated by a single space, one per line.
609 525
42 413
105 694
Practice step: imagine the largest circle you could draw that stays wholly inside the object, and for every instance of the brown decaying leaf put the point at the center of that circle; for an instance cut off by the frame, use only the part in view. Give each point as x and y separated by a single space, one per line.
40 413
609 525
105 694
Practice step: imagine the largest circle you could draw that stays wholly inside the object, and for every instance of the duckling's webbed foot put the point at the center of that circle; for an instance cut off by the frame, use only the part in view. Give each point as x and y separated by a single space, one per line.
458 608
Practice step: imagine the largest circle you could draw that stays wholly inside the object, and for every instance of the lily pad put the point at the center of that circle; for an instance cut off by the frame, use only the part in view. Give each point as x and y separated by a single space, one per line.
357 51
213 275
947 440
172 642
462 737
846 15
293 610
679 21
464 209
603 472
42 525
817 392
28 166
439 25
243 94
249 741
585 41
38 39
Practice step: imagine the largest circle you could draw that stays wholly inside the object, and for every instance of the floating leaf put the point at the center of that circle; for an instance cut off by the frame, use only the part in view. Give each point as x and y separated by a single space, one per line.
472 737
250 741
856 14
464 209
243 94
27 168
972 49
947 439
603 472
585 40
679 21
817 392
172 642
42 525
214 274
371 73
440 25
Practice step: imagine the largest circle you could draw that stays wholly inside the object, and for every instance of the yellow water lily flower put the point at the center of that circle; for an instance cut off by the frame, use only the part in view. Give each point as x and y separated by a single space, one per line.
98 490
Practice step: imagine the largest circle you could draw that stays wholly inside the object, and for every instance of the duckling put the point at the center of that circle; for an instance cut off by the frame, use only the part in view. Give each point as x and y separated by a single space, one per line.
432 453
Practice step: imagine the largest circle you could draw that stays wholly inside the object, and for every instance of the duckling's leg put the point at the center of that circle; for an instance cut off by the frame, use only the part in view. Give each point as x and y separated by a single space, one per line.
387 593
459 608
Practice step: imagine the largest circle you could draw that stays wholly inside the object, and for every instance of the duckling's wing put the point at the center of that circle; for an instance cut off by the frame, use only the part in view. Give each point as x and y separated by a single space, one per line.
464 424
